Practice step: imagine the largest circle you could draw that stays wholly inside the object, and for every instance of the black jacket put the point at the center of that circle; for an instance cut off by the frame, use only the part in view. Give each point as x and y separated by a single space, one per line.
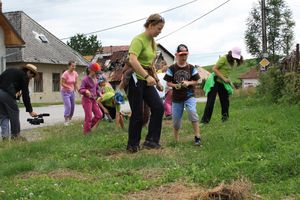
13 80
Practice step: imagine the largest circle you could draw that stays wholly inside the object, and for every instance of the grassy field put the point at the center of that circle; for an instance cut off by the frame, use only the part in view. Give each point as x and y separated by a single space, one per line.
260 144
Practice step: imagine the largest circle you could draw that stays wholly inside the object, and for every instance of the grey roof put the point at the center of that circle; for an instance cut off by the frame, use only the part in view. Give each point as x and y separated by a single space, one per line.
36 51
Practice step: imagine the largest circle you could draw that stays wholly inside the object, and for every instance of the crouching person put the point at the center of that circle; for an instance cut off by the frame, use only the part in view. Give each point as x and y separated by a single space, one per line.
110 102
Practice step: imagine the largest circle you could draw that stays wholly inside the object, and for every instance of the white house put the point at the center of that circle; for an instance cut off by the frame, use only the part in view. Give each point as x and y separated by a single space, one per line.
250 78
47 52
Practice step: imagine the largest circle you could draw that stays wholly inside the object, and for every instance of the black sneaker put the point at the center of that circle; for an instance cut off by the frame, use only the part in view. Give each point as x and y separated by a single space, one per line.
151 145
132 149
197 141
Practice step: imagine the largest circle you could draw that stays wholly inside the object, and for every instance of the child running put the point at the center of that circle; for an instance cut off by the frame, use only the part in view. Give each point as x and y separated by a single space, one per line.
89 90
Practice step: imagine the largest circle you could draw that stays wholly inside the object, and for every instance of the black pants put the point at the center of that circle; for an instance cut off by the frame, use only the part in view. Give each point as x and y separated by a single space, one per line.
9 108
211 97
137 94
111 110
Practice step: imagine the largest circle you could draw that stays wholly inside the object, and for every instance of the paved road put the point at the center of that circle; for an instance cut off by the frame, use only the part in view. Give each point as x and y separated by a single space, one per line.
57 114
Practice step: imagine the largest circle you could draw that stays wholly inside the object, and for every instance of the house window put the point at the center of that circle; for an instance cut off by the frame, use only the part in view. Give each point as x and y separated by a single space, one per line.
38 83
55 82
43 39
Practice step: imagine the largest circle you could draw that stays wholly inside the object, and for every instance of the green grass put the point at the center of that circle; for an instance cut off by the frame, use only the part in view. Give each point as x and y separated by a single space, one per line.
260 143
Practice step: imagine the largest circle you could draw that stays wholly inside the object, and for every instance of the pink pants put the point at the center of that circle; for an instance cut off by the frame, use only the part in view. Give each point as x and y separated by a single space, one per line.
90 107
168 103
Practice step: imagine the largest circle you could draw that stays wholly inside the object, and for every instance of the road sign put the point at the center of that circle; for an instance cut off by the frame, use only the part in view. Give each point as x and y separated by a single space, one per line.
264 62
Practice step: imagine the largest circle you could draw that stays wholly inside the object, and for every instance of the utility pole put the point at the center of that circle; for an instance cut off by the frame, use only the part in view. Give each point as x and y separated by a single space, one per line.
264 32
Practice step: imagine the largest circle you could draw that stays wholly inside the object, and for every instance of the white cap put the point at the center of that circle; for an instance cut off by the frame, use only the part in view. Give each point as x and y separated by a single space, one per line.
236 52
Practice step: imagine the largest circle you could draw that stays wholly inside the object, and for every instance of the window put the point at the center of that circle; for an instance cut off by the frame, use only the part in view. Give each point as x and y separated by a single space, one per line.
43 39
38 83
55 82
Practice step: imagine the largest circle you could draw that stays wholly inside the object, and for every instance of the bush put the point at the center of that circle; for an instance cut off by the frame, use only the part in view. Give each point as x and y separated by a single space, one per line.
271 85
291 90
277 87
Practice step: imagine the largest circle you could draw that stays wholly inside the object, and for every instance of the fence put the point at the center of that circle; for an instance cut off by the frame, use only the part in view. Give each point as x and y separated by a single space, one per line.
291 62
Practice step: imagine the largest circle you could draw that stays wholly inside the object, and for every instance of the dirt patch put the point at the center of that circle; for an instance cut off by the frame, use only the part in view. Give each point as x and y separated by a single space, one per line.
167 192
58 174
237 190
150 174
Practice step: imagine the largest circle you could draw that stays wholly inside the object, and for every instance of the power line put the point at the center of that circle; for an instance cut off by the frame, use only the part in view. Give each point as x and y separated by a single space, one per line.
134 21
193 20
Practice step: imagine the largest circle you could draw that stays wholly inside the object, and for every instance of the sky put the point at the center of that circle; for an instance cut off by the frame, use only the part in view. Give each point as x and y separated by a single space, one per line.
207 38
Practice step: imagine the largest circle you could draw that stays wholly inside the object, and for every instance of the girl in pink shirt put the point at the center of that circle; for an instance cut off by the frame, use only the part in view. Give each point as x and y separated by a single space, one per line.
68 87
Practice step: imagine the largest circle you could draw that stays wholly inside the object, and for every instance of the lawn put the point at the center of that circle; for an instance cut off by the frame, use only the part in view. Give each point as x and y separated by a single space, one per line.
260 144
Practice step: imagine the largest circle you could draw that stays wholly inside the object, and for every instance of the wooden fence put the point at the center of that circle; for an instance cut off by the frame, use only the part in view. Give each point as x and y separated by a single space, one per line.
291 62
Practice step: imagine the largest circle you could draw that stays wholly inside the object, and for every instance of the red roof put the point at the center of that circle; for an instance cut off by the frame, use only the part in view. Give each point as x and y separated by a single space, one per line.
112 49
252 74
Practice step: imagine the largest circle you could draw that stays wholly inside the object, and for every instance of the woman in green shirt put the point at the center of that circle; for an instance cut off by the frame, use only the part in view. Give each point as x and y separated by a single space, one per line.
222 70
142 53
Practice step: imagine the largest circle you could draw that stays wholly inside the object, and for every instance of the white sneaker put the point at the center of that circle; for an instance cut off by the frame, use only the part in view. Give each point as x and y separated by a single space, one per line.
67 123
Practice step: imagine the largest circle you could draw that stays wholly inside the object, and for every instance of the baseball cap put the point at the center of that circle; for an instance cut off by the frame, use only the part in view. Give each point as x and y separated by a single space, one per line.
236 52
182 49
94 67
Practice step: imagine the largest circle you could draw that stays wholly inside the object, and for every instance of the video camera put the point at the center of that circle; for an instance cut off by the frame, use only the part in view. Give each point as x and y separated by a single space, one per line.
38 119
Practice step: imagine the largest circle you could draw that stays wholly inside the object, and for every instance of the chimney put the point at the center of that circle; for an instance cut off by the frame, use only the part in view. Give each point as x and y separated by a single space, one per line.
111 49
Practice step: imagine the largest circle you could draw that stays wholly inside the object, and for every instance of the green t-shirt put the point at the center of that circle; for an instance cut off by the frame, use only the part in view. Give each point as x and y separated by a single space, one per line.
141 46
108 100
224 67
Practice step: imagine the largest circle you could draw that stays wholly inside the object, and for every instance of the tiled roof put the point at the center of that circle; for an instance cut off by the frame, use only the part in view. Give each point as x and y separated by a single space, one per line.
12 38
251 74
112 49
88 58
52 52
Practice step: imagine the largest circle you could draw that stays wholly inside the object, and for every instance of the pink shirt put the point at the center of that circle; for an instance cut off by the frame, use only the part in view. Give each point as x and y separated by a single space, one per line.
70 79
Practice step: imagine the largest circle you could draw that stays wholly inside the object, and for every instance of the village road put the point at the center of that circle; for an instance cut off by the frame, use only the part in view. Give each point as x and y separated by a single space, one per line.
57 114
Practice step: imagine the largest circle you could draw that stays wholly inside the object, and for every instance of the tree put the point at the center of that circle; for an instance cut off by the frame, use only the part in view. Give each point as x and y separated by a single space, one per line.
85 45
280 34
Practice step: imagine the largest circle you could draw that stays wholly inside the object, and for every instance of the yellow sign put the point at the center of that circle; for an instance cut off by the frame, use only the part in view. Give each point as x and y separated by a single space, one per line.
264 62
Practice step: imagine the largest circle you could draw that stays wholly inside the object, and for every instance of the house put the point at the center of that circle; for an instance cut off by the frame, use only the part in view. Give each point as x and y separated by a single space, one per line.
250 78
203 73
47 52
8 38
112 59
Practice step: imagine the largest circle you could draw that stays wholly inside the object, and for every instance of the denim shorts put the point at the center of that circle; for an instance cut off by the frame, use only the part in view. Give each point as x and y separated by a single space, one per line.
177 111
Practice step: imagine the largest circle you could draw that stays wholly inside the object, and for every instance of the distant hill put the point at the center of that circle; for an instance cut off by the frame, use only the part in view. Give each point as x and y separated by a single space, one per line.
237 71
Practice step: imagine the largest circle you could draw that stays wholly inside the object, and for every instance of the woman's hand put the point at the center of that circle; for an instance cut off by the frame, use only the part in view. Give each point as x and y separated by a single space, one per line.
150 81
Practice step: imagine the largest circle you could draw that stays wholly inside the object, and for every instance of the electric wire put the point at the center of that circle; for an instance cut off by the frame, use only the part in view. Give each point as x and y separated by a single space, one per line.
193 21
134 21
